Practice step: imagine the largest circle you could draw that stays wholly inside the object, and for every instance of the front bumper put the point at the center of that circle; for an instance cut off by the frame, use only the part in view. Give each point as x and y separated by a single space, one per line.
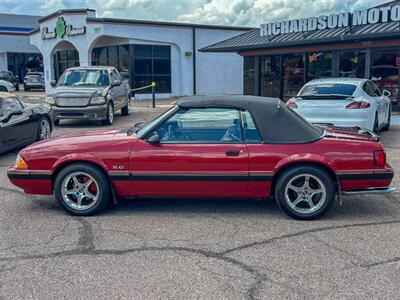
91 113
32 182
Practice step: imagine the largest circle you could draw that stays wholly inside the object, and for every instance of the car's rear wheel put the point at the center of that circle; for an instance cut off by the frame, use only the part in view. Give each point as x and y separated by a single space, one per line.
3 89
126 110
109 114
305 192
44 129
57 122
389 119
82 189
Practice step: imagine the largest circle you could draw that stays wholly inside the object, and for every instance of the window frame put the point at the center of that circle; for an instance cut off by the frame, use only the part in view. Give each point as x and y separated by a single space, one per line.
175 111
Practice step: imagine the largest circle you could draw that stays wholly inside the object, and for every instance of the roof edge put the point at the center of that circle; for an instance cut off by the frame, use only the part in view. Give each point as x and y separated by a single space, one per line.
165 23
66 11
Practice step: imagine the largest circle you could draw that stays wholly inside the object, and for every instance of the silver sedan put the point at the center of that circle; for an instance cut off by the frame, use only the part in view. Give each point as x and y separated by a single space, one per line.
344 102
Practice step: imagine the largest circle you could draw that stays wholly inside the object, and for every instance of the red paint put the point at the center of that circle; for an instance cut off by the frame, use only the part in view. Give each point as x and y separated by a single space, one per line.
342 153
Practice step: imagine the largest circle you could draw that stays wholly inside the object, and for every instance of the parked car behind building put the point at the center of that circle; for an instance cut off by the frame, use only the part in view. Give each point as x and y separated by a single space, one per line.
34 80
9 76
91 93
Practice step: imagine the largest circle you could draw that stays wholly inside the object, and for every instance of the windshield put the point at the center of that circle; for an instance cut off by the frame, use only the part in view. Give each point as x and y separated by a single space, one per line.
328 89
84 77
143 130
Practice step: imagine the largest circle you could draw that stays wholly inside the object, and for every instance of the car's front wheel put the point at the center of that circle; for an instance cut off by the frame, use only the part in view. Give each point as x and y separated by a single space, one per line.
305 192
82 189
109 114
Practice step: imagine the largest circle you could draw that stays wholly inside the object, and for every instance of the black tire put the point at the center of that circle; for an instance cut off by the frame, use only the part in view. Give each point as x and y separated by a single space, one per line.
296 173
44 129
104 192
109 119
26 89
3 89
57 122
125 111
387 126
376 124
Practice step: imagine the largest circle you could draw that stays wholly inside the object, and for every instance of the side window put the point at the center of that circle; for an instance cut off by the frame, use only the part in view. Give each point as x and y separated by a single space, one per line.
367 89
115 76
377 92
202 125
10 104
251 134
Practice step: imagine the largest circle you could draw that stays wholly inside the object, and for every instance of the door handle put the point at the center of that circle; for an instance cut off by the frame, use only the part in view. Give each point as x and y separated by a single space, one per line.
233 152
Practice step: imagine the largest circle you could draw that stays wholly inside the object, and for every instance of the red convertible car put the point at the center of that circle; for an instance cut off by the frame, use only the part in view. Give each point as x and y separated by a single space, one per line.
225 146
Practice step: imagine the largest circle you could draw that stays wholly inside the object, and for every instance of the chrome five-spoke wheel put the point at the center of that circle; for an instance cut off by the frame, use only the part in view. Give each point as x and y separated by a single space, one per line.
305 193
80 191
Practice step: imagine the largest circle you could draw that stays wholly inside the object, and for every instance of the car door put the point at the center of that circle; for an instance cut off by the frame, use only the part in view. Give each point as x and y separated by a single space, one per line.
118 91
200 153
374 93
384 103
19 129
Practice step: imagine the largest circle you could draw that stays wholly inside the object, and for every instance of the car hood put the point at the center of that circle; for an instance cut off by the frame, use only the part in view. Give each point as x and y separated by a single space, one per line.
82 91
84 140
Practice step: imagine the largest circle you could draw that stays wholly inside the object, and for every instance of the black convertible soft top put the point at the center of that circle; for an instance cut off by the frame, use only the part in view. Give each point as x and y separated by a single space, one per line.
276 122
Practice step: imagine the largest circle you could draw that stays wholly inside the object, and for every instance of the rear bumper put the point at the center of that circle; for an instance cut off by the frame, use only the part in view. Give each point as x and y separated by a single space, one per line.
92 113
370 191
34 84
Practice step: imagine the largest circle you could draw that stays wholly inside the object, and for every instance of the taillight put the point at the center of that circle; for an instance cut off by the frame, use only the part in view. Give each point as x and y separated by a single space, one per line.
291 103
358 105
379 158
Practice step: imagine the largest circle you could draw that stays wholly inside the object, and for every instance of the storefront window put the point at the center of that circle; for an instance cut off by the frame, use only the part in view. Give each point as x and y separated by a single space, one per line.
113 56
21 63
385 70
270 76
63 60
319 65
152 63
249 75
352 64
293 74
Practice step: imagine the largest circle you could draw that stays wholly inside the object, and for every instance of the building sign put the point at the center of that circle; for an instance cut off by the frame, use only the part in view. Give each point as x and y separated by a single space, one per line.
360 17
62 30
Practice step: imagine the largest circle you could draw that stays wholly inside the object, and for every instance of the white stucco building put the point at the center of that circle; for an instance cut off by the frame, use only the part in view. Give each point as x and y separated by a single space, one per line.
145 50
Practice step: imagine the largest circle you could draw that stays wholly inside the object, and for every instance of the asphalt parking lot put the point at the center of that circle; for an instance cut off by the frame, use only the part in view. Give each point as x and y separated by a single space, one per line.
209 249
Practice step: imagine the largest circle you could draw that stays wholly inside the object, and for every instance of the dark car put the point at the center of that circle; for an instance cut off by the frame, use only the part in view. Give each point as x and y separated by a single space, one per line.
22 124
9 76
217 147
90 93
34 80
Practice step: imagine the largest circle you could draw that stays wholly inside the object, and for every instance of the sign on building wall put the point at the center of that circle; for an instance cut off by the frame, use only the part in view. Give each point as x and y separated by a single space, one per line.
359 17
62 30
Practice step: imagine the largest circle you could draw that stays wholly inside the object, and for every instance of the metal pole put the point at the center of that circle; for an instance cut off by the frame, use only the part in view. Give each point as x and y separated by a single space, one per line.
153 92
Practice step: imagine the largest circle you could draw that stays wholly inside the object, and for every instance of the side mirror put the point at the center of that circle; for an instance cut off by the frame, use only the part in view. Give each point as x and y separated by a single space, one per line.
386 93
154 139
116 83
53 83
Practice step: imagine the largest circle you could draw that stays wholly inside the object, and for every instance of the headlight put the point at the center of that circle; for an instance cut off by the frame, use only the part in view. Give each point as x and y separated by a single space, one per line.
20 163
50 100
97 100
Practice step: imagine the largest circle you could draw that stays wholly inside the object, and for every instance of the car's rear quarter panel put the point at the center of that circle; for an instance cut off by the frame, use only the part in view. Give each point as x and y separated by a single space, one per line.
349 157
